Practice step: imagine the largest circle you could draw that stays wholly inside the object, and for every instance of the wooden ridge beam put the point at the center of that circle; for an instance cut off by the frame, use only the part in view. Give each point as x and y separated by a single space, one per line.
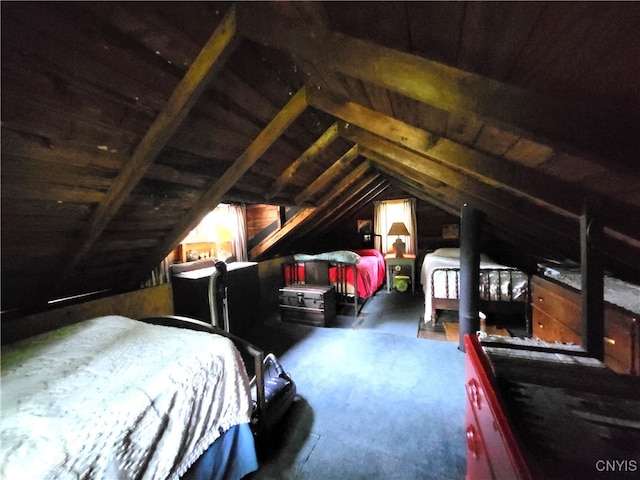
309 154
524 112
337 169
202 70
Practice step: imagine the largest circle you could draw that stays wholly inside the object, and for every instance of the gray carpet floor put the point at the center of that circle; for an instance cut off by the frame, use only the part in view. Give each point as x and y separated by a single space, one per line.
374 401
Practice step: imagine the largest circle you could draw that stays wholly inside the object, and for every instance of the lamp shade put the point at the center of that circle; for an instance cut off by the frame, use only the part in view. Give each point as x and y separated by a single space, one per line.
398 228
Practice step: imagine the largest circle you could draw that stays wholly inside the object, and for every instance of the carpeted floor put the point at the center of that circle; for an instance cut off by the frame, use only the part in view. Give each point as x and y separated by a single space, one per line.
375 401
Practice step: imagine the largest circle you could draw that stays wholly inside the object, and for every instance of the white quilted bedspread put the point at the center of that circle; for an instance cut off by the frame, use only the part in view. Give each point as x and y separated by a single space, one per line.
114 398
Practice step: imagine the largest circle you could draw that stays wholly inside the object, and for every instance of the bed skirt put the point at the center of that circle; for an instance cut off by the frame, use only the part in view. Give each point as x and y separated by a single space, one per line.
234 450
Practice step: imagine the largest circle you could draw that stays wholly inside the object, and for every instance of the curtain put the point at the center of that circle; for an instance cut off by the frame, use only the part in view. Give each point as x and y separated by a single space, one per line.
158 276
389 211
238 217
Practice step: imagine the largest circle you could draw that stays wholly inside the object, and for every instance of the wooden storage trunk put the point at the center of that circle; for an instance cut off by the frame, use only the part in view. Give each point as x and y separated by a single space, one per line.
308 304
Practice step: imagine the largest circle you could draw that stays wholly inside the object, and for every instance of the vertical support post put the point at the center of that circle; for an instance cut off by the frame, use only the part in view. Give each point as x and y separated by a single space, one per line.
592 279
468 314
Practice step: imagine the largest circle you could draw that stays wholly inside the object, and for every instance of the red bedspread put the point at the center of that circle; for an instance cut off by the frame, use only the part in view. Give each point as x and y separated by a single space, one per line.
370 270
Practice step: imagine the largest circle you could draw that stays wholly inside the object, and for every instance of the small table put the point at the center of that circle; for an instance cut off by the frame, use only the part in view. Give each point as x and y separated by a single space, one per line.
408 261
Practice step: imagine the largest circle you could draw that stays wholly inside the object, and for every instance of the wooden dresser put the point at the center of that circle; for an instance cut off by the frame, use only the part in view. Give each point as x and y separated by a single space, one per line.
556 318
191 295
539 410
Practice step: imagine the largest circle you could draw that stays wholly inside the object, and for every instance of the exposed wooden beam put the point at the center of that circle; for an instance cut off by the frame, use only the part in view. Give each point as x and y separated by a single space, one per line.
515 206
304 215
202 70
542 189
309 154
524 112
464 190
541 226
276 236
338 205
377 185
417 189
254 151
337 169
446 202
341 206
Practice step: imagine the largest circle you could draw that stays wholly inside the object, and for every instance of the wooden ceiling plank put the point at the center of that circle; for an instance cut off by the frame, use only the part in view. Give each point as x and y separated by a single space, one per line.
254 151
334 171
552 193
275 237
342 205
316 147
497 214
334 210
307 214
202 70
386 153
523 112
417 189
376 187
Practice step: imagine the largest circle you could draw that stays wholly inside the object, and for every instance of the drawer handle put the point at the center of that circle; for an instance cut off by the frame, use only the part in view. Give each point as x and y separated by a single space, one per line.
541 325
474 393
472 443
610 341
540 299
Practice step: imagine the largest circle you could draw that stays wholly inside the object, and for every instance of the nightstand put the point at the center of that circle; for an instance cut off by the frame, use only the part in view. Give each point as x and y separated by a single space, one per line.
407 261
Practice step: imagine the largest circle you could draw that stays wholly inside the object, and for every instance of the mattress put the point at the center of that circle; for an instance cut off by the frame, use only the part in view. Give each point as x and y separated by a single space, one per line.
500 287
116 398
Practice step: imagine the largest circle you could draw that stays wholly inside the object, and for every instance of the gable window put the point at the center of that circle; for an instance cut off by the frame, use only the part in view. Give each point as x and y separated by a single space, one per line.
221 235
388 212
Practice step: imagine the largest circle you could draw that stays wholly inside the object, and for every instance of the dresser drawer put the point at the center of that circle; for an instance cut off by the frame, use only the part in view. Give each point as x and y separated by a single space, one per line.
478 466
557 302
492 451
547 328
621 342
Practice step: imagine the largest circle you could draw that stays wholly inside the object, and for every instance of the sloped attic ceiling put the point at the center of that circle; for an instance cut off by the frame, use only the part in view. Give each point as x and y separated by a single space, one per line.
123 123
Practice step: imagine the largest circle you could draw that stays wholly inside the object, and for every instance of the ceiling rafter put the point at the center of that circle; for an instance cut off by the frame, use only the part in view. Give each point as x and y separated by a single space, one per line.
338 168
205 66
304 216
497 213
553 194
379 185
336 206
283 119
500 199
524 112
535 224
443 201
307 156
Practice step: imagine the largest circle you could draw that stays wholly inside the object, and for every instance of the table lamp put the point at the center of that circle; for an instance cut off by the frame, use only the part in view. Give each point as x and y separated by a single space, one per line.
399 228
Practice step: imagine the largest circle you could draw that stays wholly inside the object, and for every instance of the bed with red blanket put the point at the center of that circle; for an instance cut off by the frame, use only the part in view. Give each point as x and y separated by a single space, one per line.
356 275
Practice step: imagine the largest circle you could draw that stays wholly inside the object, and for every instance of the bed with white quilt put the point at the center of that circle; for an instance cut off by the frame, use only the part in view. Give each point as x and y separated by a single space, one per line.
502 288
117 398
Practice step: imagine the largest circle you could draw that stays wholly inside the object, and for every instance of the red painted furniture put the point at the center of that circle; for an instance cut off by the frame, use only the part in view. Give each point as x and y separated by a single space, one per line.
548 411
492 451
